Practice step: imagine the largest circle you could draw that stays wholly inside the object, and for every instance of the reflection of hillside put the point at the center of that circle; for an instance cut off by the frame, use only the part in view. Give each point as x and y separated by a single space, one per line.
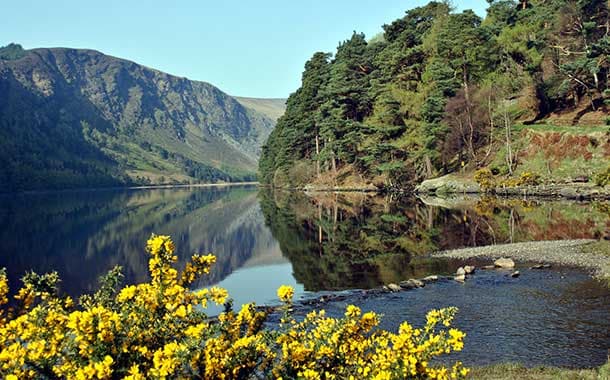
359 241
82 235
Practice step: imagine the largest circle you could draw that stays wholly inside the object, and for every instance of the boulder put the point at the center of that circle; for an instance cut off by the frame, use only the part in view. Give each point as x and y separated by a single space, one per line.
411 284
394 287
460 272
469 269
504 263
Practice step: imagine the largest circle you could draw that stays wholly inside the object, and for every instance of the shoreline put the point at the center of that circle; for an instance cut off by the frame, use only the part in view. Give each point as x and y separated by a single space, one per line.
558 252
574 192
142 187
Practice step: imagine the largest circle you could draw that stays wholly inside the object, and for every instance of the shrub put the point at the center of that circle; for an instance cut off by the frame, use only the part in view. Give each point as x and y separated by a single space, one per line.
485 178
525 179
603 178
160 330
528 179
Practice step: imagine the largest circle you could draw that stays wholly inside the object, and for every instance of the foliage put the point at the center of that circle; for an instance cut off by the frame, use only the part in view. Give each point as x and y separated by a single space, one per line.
485 179
160 330
603 178
11 51
488 181
441 88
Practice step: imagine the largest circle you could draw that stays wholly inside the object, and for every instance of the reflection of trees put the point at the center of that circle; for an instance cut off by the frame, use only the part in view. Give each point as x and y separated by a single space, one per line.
338 241
350 241
84 234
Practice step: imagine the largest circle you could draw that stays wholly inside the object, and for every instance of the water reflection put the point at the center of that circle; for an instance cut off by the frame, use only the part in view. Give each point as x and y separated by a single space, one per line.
356 240
84 234
332 242
328 241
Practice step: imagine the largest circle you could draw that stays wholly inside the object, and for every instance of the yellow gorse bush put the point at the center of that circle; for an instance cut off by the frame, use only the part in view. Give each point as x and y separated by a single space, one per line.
159 330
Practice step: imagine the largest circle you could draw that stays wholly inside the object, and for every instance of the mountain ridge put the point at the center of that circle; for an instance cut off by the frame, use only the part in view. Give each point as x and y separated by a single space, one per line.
81 118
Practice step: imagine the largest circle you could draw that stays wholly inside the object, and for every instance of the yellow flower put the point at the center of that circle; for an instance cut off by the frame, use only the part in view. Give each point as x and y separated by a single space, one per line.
285 293
159 330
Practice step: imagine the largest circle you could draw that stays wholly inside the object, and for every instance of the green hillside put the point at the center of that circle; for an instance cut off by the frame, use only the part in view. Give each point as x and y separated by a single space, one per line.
444 91
79 118
272 108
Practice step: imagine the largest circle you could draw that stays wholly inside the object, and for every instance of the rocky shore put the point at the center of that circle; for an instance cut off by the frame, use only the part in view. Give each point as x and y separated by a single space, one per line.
562 252
454 184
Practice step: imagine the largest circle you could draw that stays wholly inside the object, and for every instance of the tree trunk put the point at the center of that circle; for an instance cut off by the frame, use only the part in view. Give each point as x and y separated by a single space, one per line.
468 112
509 152
428 166
318 155
333 159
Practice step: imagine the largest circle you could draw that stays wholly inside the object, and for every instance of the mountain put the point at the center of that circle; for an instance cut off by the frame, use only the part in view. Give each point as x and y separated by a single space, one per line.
443 91
80 118
273 108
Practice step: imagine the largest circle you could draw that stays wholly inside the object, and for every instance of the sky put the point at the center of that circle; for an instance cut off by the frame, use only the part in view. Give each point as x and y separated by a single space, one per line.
246 48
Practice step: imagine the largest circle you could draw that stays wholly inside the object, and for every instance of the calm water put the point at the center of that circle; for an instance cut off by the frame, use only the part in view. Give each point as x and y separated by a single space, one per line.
334 243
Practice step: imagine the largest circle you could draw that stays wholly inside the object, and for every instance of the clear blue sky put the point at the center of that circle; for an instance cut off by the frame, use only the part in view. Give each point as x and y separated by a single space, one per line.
247 48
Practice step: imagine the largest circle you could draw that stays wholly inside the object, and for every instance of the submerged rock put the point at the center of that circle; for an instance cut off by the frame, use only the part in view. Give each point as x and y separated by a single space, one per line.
541 266
504 263
515 274
487 267
430 278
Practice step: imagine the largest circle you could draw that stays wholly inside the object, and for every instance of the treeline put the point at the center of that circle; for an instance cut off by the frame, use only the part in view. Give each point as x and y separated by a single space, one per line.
439 90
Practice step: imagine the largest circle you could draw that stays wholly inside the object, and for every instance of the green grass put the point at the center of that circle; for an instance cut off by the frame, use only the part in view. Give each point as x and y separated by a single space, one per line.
577 130
510 371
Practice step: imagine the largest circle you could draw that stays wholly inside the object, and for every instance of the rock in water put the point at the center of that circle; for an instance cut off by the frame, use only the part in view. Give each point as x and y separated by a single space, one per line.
504 263
515 274
411 284
394 287
430 278
469 269
460 278
486 267
461 271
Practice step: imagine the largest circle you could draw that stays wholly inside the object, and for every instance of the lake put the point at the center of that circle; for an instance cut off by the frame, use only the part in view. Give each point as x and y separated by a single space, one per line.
336 244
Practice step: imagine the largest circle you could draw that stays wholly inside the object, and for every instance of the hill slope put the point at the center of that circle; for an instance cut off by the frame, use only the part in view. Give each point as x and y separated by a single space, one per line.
442 91
77 118
273 108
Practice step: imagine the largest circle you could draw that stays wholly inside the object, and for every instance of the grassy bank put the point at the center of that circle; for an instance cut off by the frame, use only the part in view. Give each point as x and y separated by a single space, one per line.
510 371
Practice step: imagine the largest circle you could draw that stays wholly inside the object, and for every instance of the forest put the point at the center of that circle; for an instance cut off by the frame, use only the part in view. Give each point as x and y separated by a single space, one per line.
441 91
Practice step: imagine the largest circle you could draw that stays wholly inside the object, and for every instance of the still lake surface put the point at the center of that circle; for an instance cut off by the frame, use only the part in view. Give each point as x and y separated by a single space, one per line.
333 243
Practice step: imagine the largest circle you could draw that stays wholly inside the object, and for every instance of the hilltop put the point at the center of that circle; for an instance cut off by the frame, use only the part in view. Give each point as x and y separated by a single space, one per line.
80 118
